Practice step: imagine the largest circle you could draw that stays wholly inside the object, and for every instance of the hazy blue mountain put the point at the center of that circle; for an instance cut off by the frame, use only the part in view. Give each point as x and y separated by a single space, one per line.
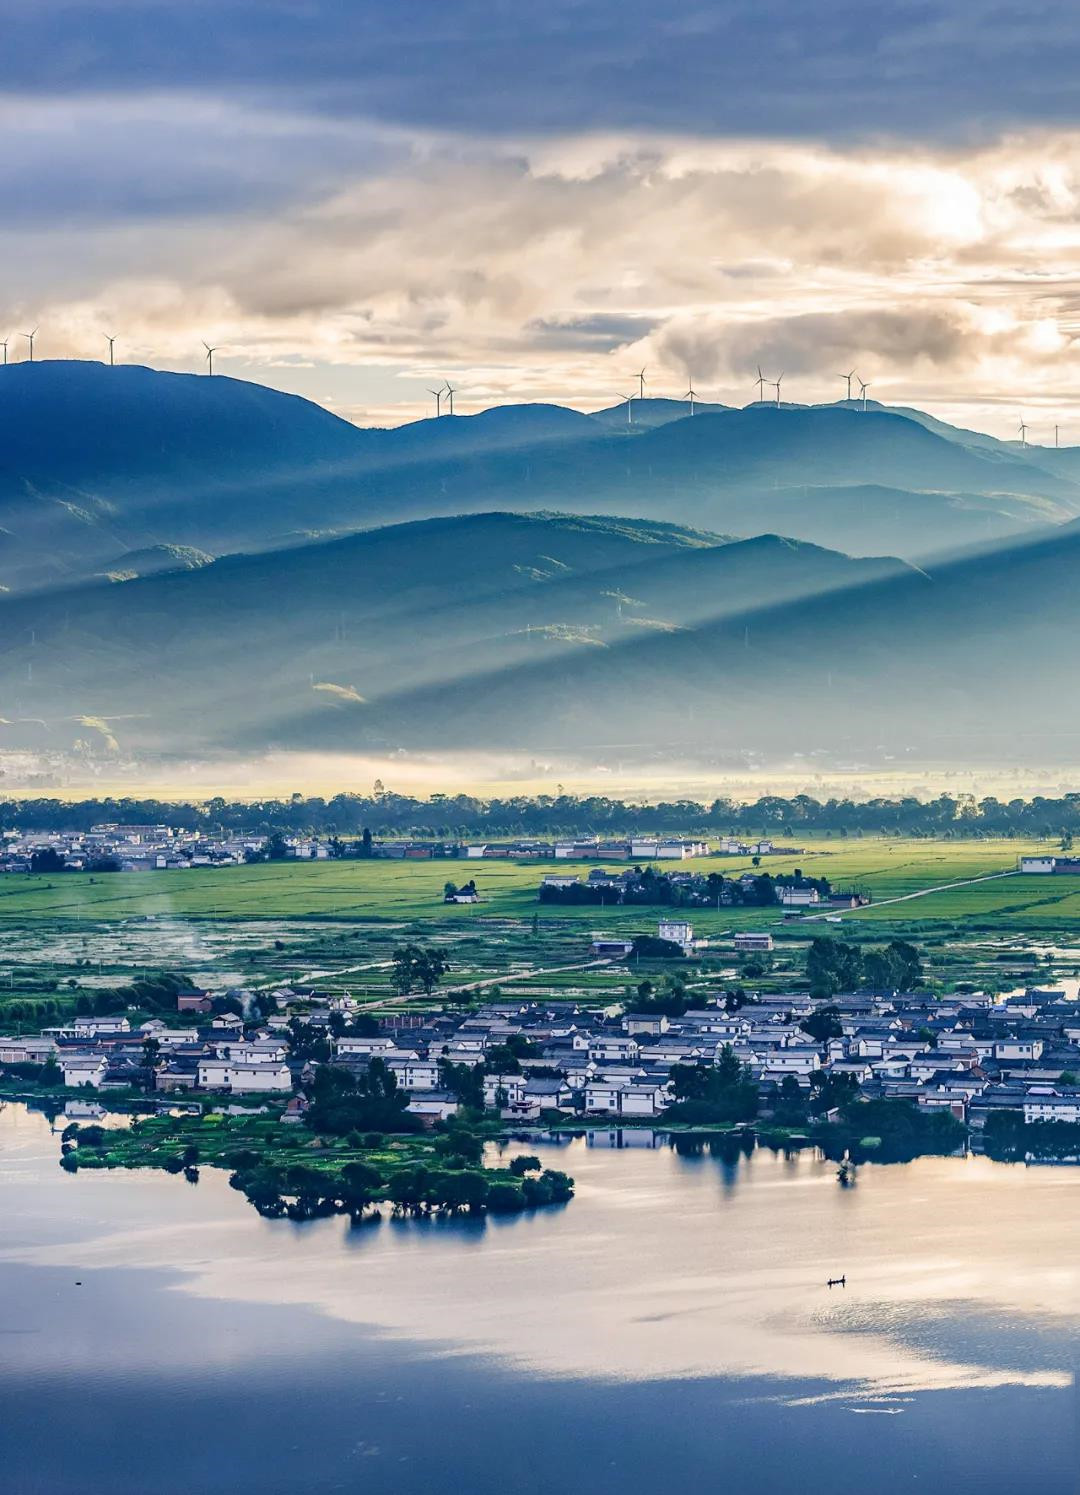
287 645
98 461
610 639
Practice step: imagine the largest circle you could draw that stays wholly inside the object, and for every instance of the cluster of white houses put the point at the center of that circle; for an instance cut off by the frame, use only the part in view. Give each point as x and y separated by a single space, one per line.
969 1054
128 848
155 848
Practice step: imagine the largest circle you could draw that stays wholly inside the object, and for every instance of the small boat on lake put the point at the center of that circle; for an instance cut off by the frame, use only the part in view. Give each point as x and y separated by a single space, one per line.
837 1281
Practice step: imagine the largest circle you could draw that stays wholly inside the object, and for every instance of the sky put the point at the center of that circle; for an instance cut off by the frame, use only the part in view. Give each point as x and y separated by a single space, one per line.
357 201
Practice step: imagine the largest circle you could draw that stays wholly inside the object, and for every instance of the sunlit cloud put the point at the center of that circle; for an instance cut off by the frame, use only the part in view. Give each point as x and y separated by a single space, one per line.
356 261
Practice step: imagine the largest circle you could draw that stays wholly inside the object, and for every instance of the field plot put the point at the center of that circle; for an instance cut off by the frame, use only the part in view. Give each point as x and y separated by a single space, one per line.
1009 903
407 891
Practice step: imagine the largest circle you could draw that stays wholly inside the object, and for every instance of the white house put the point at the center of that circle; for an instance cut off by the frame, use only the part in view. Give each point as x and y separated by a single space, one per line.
512 1086
83 1069
678 931
1036 864
261 1051
799 897
437 1105
97 1027
613 1049
1017 1048
240 1076
365 1044
1042 1103
413 1073
26 1050
797 1059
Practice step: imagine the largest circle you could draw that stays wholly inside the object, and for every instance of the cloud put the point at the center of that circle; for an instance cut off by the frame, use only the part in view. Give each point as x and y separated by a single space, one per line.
601 332
357 264
839 70
818 342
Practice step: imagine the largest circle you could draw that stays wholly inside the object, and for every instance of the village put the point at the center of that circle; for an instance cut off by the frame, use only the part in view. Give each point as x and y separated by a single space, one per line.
116 847
543 1059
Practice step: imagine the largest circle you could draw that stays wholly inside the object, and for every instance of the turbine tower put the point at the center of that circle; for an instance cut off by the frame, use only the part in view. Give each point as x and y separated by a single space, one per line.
110 340
849 378
629 408
1055 428
4 346
761 383
863 387
641 385
777 383
1023 432
451 392
438 393
209 357
30 336
691 395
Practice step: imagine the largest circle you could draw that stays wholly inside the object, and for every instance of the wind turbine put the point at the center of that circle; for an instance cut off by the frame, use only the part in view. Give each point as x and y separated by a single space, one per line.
438 393
451 392
691 395
777 383
629 408
1055 428
30 336
849 378
761 383
863 387
1023 432
209 357
4 346
110 340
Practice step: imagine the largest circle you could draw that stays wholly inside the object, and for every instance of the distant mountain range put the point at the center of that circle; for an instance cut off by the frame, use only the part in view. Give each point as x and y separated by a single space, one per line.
199 565
99 465
610 639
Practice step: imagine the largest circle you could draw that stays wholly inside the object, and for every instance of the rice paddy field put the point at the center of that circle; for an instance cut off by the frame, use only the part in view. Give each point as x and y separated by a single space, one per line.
334 925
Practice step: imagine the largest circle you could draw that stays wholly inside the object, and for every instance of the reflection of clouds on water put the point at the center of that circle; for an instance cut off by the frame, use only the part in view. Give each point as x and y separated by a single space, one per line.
656 1272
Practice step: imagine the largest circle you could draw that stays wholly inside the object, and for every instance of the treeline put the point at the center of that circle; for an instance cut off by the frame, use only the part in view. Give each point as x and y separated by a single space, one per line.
464 816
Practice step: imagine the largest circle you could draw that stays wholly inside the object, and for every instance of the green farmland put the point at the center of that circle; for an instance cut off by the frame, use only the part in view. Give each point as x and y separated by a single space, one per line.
407 890
334 925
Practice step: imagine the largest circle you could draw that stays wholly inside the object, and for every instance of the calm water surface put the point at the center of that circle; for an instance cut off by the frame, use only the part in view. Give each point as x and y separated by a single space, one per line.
670 1329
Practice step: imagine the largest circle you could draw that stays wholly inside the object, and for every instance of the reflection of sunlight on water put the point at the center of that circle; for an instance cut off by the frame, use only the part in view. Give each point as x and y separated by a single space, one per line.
656 1270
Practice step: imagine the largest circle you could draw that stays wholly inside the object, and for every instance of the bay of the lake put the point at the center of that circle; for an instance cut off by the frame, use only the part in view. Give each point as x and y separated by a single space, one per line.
669 1330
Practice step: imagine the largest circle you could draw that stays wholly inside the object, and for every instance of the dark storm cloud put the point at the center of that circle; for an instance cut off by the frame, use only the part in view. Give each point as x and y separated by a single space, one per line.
841 68
601 332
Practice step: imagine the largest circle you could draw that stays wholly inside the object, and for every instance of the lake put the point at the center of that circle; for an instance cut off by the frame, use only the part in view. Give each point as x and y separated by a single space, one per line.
670 1329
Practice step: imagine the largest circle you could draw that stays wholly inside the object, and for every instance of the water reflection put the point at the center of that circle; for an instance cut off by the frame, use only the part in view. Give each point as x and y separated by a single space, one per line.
677 1259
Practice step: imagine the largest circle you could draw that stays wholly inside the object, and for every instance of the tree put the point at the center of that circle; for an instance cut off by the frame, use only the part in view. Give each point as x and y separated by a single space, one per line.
47 859
373 1102
417 965
823 1024
722 1093
832 966
277 848
526 1163
365 844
